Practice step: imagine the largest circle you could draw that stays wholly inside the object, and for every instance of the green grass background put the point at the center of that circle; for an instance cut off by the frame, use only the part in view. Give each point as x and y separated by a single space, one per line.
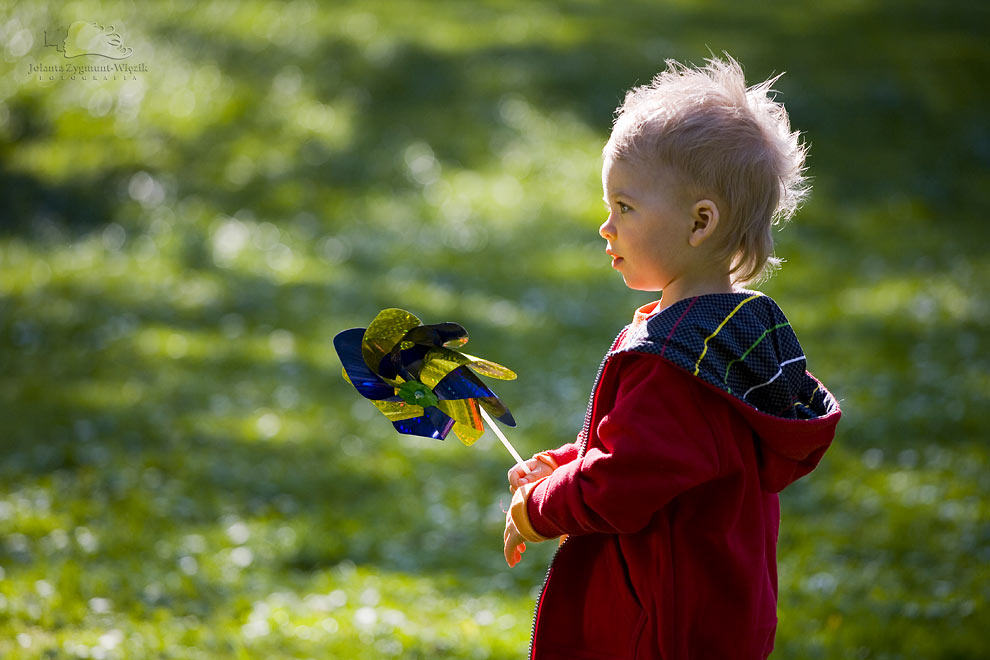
184 474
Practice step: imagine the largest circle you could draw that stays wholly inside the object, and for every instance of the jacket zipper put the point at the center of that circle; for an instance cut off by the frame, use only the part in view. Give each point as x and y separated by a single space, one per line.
585 433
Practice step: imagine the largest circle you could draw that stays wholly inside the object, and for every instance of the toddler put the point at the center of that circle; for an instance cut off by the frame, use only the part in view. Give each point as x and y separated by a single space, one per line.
702 411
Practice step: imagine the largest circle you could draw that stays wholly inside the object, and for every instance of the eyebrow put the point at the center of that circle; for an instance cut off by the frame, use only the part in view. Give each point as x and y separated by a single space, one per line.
618 193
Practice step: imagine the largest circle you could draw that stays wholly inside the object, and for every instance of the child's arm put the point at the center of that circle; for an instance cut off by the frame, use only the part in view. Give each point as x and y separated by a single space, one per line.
658 440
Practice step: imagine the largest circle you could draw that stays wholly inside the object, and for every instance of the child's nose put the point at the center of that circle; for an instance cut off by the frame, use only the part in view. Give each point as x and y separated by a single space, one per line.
607 230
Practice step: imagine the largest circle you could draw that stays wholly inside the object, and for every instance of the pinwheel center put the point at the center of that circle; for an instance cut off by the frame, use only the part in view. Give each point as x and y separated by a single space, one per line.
417 394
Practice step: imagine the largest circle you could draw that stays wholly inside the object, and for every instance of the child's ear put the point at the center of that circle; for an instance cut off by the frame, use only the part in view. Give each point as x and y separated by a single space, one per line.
704 219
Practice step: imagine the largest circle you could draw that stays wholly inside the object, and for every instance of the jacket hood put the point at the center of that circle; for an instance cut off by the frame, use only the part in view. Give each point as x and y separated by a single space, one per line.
742 345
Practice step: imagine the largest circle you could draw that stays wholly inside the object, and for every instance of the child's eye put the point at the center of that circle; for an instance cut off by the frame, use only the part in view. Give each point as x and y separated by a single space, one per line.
624 208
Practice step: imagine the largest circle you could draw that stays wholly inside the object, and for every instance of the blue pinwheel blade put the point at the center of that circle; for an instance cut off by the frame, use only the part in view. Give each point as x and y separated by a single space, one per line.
461 383
432 424
348 346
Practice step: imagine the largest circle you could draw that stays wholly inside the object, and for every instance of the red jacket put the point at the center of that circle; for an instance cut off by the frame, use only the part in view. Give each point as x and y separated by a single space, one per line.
669 497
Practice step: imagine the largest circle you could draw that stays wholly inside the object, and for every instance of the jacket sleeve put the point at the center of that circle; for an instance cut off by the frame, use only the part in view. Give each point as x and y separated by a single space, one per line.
653 444
564 454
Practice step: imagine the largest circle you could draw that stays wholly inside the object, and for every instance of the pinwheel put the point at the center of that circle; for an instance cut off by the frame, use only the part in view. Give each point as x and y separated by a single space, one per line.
413 375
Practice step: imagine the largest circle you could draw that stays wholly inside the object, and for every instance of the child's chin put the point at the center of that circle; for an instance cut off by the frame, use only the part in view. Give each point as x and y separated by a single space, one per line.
639 286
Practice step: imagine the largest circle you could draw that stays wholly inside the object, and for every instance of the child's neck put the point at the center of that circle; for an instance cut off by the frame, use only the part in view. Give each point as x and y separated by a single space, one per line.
681 289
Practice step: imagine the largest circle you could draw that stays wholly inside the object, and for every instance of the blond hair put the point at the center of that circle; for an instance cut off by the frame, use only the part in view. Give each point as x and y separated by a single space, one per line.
721 139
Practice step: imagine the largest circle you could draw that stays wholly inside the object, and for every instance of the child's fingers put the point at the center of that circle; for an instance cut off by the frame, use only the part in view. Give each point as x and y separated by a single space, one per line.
513 547
513 554
516 473
531 470
516 483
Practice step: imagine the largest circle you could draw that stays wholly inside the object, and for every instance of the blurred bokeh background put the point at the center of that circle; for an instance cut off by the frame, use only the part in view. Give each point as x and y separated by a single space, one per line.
183 472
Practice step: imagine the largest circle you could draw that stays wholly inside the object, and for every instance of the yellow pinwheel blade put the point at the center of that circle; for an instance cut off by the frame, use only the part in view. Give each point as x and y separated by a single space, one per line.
463 411
468 435
384 333
398 410
439 362
489 368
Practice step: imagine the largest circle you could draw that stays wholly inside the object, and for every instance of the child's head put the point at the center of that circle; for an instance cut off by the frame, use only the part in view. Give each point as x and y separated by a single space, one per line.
721 141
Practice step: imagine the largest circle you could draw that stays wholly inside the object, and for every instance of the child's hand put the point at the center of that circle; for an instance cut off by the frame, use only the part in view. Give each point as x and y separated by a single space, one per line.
537 470
514 546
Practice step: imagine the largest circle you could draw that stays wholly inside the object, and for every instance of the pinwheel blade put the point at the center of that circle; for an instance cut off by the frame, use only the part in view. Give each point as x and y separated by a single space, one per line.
468 435
384 332
489 368
364 380
397 410
449 335
432 424
461 384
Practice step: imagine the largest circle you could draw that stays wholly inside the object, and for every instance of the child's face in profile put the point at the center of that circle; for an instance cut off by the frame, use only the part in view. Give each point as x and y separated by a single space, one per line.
648 224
